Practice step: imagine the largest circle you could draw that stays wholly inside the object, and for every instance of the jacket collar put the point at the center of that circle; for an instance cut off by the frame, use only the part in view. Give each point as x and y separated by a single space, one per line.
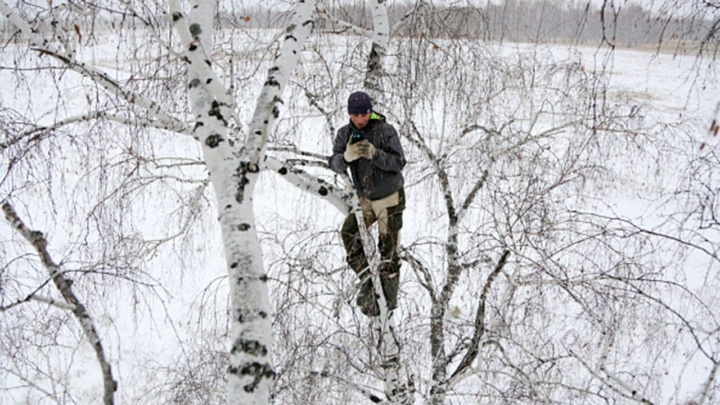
375 117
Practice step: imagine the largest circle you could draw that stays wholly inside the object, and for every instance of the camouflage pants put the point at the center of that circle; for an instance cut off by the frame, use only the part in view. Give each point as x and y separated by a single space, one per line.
387 212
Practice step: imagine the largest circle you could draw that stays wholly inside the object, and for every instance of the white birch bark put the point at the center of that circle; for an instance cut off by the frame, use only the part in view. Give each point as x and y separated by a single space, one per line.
396 389
309 183
234 174
378 49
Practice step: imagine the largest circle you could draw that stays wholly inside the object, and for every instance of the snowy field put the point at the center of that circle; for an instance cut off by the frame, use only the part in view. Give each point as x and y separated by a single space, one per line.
161 311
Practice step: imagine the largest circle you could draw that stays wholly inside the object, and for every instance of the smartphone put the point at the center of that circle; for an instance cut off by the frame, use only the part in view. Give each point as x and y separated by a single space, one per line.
356 137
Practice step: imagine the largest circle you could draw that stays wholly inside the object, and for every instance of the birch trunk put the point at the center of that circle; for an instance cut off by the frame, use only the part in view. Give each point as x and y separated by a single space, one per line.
396 390
234 174
378 49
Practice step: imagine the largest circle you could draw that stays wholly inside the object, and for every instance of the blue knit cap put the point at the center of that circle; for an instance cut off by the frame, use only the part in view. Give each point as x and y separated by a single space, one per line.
359 103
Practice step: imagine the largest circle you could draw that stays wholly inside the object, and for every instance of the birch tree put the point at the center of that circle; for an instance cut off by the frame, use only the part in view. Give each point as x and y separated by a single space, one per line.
509 184
538 288
233 166
522 281
233 174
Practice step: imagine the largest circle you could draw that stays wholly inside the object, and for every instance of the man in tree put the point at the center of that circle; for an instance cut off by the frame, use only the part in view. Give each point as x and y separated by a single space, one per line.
371 148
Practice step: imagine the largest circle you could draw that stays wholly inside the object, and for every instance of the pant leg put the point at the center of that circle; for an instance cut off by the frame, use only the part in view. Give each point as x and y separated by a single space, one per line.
357 260
350 234
390 221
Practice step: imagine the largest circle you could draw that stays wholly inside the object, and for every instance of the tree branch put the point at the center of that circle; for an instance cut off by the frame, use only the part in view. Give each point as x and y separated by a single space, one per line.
64 285
474 345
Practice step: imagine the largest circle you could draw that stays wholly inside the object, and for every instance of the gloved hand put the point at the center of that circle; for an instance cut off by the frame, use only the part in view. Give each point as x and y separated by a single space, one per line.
352 151
366 149
359 149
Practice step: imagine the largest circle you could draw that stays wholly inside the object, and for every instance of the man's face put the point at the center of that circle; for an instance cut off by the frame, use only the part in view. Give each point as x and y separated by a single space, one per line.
360 120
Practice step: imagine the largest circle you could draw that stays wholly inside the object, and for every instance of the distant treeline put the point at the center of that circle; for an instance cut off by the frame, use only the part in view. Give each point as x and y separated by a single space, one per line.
513 20
628 25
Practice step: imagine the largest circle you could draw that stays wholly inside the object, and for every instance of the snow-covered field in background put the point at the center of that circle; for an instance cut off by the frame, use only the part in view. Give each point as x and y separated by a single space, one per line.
146 328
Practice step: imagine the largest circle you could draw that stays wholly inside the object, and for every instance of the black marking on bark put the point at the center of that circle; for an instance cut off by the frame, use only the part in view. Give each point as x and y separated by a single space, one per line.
240 195
287 37
290 27
259 371
264 278
194 83
276 112
274 69
234 265
313 22
195 30
262 314
227 207
207 62
176 16
283 171
243 169
213 140
272 82
323 191
243 227
215 112
192 47
251 347
187 60
199 124
208 81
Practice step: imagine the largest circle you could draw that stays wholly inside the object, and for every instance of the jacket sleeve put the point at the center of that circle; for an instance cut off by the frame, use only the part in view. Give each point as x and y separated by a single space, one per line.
337 161
390 156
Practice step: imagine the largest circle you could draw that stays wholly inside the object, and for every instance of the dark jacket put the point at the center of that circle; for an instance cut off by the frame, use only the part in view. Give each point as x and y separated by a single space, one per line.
381 176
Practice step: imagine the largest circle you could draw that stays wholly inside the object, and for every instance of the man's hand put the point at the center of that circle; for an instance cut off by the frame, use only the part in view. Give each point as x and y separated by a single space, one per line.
352 152
357 150
366 149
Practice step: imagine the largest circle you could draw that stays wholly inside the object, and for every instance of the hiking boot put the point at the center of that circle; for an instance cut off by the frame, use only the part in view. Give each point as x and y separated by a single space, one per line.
391 285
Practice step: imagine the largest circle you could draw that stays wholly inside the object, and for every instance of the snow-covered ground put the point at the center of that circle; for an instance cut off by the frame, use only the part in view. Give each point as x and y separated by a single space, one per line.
157 322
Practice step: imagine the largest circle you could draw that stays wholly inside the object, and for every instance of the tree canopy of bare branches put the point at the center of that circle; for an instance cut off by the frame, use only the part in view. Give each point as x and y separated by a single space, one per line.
167 200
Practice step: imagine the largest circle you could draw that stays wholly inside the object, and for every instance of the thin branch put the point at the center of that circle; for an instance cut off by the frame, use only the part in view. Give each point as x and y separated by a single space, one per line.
474 345
64 285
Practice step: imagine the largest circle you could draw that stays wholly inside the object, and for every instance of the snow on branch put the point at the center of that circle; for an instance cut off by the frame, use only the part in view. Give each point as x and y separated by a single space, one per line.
64 285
